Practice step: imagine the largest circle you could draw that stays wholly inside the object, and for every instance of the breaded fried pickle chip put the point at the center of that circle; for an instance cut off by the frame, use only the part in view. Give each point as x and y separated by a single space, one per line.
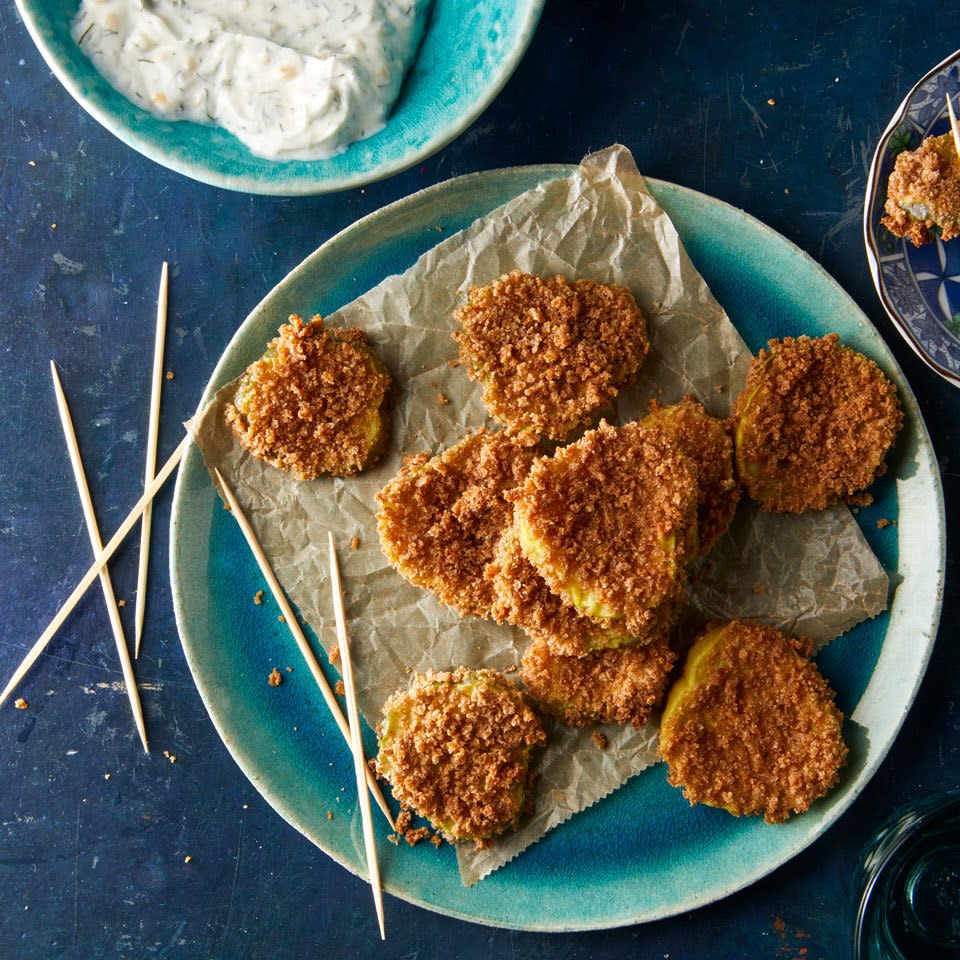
813 424
524 599
609 686
549 352
314 403
609 522
923 192
708 442
752 726
456 748
440 517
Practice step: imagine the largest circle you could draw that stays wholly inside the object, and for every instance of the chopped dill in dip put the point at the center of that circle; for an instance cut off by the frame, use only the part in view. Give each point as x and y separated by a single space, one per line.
297 79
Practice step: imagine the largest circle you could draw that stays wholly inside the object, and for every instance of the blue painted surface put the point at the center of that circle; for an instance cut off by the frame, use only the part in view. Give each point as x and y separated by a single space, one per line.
95 836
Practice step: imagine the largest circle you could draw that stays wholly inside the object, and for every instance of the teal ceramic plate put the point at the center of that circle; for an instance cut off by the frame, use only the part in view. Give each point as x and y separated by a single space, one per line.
468 53
642 853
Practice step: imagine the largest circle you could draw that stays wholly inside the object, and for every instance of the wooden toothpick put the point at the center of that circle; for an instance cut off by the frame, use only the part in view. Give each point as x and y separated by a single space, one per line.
298 635
98 564
152 431
954 128
79 474
356 741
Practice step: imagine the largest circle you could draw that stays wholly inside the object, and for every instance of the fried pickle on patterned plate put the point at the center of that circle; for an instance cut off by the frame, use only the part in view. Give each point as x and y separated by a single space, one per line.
440 517
621 686
550 352
456 748
751 726
708 442
923 192
523 599
814 423
610 522
314 403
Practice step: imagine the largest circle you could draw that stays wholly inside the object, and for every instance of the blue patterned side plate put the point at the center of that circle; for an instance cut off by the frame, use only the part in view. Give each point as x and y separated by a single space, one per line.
918 286
468 53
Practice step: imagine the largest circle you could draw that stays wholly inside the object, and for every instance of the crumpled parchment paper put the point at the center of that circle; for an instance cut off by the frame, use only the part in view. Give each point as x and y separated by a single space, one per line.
813 574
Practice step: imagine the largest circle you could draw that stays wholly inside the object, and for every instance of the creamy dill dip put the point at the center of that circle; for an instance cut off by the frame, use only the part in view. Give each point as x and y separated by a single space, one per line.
292 79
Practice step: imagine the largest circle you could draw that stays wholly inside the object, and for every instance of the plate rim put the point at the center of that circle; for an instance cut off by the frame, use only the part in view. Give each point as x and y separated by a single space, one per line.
871 198
805 837
299 185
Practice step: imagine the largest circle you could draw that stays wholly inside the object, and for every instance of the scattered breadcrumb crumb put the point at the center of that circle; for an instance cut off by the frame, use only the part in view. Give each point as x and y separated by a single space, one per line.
258 597
121 603
170 374
339 688
275 678
442 399
335 654
329 814
413 837
355 543
188 859
885 522
281 618
599 739
172 757
21 704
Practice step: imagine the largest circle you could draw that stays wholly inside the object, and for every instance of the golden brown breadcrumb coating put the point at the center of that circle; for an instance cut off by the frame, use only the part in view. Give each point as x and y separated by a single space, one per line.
549 352
752 726
524 600
610 521
923 192
440 517
813 424
314 403
456 749
708 442
609 686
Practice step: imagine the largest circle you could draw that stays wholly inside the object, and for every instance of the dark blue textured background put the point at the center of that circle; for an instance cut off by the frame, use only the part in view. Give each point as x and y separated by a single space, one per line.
93 833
